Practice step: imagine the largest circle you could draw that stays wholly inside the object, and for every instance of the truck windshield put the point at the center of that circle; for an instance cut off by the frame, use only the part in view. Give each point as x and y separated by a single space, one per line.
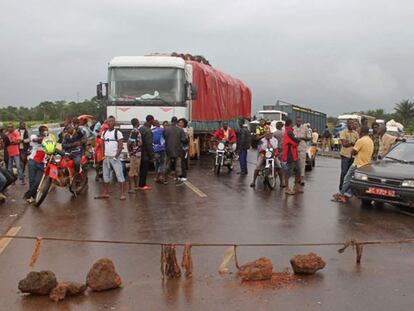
147 84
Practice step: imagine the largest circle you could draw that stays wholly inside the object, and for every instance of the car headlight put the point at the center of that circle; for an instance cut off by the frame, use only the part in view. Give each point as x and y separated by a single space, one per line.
57 158
408 183
220 146
268 154
360 176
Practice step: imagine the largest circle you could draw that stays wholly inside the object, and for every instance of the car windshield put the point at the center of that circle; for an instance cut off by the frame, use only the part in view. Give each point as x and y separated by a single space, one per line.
147 84
403 152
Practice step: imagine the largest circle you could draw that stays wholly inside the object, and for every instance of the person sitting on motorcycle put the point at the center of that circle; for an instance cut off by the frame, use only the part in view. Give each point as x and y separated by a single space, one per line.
225 134
267 142
73 143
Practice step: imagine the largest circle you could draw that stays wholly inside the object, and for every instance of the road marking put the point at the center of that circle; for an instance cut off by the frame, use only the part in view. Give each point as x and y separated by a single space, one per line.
5 241
200 193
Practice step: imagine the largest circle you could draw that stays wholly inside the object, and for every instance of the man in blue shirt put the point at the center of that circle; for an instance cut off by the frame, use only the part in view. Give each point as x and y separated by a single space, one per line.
158 142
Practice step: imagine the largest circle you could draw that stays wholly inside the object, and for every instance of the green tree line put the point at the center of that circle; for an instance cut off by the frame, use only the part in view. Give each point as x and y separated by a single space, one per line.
49 111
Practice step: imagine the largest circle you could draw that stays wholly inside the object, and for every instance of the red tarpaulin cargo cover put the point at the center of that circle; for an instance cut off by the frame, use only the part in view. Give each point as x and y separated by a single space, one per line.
220 96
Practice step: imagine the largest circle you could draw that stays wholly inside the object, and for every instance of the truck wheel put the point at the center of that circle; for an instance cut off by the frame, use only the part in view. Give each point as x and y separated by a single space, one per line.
42 190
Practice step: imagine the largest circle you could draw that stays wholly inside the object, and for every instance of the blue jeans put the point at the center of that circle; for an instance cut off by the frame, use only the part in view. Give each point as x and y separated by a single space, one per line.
345 165
3 182
16 160
346 187
243 160
35 175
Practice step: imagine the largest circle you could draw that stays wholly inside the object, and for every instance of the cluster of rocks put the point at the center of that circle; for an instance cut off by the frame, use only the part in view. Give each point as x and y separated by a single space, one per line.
102 276
262 268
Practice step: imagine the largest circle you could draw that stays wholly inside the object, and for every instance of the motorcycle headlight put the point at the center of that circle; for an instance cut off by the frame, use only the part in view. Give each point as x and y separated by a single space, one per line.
57 158
268 154
220 146
360 176
408 183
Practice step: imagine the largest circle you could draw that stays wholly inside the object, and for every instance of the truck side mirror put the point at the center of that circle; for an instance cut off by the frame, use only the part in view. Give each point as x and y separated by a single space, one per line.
194 92
102 91
99 91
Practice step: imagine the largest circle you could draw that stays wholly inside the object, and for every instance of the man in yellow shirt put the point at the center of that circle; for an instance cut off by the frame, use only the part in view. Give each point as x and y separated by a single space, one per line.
348 139
362 150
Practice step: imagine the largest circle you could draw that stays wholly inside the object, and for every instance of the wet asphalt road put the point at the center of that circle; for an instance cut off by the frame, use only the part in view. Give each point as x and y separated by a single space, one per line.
231 212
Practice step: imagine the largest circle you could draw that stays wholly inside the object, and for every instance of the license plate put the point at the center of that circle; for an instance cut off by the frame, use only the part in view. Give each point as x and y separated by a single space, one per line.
381 191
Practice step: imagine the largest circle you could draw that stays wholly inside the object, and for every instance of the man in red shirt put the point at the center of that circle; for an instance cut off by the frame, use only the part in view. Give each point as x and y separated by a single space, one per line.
225 133
14 152
290 159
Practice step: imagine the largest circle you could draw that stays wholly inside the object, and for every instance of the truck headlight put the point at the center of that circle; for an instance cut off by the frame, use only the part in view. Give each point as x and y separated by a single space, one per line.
408 183
360 176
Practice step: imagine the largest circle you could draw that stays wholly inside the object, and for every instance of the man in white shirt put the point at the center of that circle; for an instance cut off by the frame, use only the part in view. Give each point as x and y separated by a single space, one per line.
113 144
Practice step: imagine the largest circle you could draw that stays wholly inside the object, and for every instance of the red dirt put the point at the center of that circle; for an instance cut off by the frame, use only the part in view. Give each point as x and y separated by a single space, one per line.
278 280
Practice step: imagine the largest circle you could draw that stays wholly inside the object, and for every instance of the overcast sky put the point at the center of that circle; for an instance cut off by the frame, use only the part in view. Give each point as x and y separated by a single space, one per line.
329 55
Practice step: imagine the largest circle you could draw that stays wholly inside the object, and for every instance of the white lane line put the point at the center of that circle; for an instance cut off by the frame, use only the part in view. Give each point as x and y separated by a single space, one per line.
5 241
200 193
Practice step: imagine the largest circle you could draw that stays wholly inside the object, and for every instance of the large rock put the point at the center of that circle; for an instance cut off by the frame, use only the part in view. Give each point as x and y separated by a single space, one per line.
307 264
102 276
38 283
258 270
66 289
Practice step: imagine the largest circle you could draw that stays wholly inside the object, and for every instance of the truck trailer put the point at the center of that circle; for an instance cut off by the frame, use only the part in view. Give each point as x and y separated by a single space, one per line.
167 86
315 118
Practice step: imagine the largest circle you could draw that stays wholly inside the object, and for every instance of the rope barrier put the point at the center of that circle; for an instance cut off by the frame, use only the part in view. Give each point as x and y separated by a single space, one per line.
344 244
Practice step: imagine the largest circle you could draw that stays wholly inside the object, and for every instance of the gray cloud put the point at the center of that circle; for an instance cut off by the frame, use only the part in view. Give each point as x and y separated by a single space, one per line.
333 56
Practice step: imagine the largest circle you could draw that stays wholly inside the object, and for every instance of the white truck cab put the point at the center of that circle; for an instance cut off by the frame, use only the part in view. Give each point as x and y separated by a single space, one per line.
142 85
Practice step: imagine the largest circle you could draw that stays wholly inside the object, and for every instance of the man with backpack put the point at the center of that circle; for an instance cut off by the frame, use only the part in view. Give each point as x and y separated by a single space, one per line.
113 144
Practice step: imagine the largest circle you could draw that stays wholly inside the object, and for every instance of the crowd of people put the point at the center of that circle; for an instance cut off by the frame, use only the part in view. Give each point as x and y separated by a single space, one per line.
166 147
359 147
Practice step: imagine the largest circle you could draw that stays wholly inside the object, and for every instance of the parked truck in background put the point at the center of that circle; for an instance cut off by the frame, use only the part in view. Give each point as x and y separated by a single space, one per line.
283 110
167 86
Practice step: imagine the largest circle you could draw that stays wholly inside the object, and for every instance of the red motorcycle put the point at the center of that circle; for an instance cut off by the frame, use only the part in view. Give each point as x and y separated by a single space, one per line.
60 171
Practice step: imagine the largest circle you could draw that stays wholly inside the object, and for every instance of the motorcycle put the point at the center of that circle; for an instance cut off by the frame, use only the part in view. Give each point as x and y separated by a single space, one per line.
60 171
267 173
224 156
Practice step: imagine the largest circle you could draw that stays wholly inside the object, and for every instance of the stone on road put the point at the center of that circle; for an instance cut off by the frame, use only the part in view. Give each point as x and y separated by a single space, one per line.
102 276
66 289
307 264
38 283
258 270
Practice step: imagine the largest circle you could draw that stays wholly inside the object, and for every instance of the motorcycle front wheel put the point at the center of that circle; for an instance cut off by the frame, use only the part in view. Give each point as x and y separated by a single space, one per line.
42 190
217 169
271 182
